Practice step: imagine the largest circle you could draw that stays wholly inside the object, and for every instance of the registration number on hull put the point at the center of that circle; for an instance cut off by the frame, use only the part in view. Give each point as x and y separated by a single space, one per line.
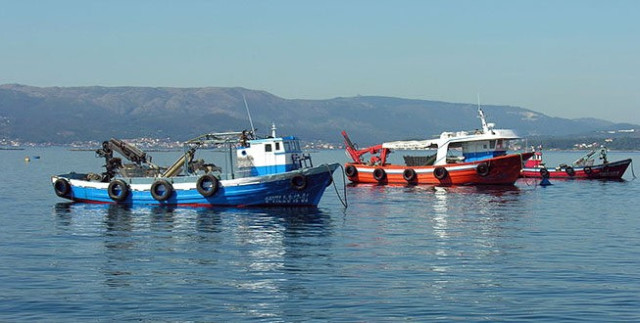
292 198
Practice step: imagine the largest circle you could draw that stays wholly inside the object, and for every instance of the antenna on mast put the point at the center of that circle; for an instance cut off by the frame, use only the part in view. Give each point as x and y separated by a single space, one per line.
253 129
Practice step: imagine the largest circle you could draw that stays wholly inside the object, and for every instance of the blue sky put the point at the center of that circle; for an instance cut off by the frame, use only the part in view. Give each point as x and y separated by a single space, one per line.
567 59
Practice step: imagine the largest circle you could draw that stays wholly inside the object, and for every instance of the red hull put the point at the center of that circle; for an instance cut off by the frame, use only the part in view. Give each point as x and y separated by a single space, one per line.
613 170
503 170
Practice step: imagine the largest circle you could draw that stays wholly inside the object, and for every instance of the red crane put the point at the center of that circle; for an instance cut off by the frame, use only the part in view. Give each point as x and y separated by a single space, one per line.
356 154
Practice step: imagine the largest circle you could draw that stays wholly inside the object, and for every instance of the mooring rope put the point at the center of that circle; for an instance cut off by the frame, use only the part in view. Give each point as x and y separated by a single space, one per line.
530 181
344 186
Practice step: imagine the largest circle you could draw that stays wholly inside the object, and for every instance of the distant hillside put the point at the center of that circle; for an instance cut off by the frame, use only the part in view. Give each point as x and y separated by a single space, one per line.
66 114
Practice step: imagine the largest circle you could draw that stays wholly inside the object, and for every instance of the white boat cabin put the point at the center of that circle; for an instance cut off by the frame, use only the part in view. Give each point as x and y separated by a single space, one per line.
475 145
271 155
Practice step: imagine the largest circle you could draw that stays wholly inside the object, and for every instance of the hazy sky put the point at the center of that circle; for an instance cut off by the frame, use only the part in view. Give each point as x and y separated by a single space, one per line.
563 58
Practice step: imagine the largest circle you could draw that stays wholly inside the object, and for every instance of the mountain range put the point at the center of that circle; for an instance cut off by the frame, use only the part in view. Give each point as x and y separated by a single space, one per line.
62 115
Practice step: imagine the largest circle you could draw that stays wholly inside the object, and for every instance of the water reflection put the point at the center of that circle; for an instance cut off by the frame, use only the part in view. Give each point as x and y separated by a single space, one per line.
274 249
118 220
440 209
456 226
226 251
62 211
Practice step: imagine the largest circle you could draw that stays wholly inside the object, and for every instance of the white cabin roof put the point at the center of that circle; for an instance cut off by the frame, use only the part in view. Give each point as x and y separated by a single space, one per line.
453 139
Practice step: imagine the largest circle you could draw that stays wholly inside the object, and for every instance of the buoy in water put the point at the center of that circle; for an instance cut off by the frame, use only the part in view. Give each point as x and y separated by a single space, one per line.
27 159
545 182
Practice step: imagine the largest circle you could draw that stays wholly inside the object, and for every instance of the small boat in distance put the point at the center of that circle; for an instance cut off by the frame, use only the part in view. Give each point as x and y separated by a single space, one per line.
583 168
271 171
484 159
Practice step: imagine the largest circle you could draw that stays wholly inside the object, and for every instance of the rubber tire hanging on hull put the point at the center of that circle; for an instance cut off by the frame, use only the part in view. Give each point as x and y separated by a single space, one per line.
409 175
482 169
161 195
351 171
440 173
544 173
570 171
207 191
299 182
114 187
379 175
587 170
62 187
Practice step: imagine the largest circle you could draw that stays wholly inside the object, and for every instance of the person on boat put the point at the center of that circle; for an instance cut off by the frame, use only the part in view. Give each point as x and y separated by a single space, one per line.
243 138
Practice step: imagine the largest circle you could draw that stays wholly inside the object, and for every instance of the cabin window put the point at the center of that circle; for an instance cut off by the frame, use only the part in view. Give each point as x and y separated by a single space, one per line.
500 143
287 146
267 147
492 144
277 146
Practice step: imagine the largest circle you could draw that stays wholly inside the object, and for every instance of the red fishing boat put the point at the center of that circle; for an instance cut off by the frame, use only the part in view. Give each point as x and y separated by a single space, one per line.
484 159
583 168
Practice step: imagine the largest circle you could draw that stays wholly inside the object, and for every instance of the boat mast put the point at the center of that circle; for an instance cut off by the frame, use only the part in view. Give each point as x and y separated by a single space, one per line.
253 129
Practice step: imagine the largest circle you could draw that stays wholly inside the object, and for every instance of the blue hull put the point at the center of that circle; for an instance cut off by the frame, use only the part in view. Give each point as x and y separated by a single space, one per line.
273 190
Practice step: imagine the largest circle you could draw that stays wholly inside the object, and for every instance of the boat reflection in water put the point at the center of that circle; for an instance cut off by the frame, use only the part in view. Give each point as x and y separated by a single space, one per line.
225 251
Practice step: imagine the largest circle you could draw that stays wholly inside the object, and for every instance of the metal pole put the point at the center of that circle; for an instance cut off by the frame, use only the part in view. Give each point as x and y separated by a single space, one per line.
233 176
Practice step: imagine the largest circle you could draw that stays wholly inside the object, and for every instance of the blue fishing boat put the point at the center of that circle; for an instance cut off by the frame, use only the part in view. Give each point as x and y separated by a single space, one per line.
271 171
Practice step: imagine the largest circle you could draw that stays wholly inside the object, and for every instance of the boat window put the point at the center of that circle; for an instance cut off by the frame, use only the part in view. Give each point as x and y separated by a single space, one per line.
287 146
277 146
267 147
492 144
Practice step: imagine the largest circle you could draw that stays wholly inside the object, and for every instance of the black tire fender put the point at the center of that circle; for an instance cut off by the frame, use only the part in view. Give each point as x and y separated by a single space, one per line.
587 170
118 190
379 174
440 173
299 182
62 187
204 188
165 193
570 171
409 175
351 171
483 169
544 173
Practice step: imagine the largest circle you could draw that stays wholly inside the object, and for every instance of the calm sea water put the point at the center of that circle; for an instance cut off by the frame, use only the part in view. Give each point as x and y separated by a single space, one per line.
567 252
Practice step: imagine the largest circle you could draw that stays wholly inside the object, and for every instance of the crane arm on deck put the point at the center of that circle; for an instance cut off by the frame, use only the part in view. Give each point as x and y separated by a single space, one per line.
128 151
356 154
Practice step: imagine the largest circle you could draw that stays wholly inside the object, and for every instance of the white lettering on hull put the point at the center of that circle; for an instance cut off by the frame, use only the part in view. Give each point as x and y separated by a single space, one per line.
291 198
